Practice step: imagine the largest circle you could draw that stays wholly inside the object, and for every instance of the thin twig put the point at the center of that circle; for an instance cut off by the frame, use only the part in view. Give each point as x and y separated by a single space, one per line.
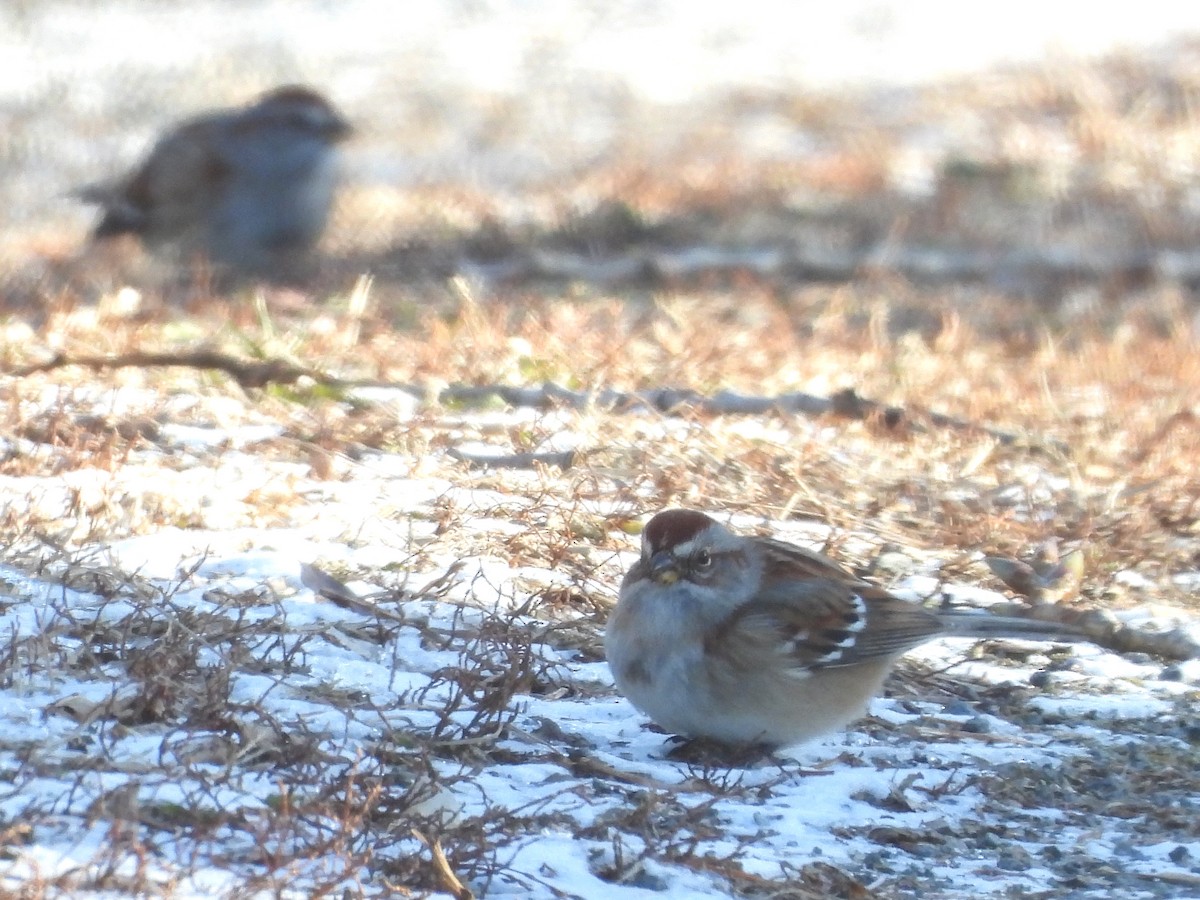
441 867
846 403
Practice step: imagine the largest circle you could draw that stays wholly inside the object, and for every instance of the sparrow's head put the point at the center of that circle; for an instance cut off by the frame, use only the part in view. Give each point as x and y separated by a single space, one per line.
687 548
303 110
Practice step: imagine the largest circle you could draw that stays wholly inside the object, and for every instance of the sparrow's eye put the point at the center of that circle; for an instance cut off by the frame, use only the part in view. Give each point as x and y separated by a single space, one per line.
702 560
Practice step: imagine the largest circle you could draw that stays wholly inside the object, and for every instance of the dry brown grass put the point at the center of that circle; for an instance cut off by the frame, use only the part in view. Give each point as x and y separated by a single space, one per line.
1108 415
1097 377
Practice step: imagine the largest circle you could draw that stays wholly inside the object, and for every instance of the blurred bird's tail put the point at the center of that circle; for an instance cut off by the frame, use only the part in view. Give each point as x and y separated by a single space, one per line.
120 217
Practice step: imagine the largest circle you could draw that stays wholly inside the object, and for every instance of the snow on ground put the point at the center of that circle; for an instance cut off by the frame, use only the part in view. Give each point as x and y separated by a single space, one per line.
179 707
166 694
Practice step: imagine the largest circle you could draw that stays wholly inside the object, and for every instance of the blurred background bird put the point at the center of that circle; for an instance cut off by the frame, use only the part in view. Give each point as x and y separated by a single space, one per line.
247 189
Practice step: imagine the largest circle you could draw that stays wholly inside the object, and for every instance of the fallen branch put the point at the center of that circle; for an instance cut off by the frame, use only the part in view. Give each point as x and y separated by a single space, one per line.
246 372
846 403
1102 628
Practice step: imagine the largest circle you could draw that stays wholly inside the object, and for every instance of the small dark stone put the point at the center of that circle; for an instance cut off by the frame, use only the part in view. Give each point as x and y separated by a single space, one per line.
549 730
1064 664
1180 855
977 725
80 744
647 881
1105 785
987 841
1128 850
1040 679
878 861
1014 859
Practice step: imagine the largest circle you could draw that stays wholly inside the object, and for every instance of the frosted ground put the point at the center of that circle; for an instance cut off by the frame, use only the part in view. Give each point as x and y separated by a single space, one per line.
186 708
171 695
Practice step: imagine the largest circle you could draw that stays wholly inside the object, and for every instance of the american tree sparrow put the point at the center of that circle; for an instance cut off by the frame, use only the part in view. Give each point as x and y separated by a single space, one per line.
749 640
248 188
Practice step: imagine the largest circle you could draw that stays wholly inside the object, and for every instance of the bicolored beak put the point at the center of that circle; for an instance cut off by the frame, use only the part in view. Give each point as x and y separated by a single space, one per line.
664 567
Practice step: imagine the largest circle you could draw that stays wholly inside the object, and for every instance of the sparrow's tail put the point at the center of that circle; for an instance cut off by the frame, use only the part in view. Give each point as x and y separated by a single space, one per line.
984 625
120 216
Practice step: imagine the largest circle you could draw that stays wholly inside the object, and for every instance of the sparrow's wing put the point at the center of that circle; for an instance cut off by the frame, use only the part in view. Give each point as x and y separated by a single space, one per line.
171 191
816 623
789 562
